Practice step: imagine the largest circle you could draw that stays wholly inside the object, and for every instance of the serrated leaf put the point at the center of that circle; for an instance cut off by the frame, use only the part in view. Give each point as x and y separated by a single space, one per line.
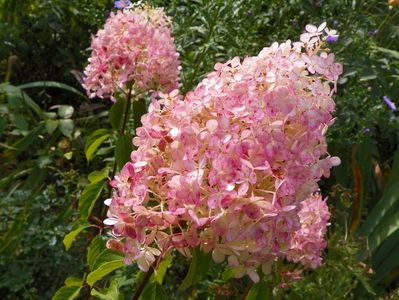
71 236
66 127
88 198
199 266
65 111
94 141
116 113
123 149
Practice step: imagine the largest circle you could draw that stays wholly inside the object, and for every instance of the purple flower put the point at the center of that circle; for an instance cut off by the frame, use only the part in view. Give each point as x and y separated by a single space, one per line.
372 32
122 4
249 13
335 23
331 39
389 103
366 130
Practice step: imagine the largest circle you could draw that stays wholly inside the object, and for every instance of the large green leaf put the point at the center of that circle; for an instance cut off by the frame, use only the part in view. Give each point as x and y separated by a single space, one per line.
71 236
97 246
390 262
89 197
382 252
116 113
105 263
154 291
394 174
259 291
388 226
199 266
123 149
97 176
110 293
389 199
52 84
70 290
94 141
160 272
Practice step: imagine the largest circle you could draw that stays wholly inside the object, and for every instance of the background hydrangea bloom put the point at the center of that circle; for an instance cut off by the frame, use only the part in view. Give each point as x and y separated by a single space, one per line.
134 47
232 168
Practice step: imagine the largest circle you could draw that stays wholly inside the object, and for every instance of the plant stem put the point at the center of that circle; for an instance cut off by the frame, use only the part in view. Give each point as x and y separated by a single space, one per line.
121 132
144 282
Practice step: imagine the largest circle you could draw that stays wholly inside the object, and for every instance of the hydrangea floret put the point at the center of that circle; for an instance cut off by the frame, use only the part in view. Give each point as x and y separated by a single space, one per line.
233 167
135 49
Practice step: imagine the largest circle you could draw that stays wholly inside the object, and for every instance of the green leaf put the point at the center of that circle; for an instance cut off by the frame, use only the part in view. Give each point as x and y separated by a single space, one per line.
154 291
383 250
123 149
199 266
160 272
52 84
67 293
51 125
139 109
390 262
108 264
97 246
71 236
89 197
97 176
73 281
394 174
24 143
65 111
110 293
94 141
70 290
389 199
387 226
66 127
392 53
259 291
116 113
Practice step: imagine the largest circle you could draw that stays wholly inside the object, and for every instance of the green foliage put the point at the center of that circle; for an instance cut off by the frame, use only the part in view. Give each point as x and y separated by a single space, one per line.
199 266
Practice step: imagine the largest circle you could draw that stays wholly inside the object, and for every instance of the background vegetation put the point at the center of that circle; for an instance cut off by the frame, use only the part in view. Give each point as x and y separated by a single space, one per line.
52 137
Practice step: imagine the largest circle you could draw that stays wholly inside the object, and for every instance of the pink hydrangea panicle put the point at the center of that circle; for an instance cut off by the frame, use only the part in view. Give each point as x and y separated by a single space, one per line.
308 241
136 48
232 167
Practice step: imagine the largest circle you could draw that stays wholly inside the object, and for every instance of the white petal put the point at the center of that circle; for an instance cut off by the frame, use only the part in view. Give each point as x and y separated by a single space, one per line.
321 27
108 201
110 221
311 28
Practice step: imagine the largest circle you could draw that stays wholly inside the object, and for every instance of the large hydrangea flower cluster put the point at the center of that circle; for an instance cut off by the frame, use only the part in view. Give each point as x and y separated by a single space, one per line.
233 167
134 47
